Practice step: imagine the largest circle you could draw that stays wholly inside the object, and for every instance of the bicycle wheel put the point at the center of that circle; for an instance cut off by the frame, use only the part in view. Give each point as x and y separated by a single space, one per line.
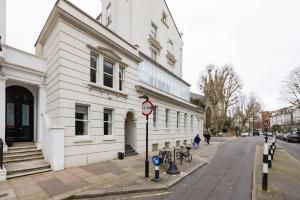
166 164
188 157
178 155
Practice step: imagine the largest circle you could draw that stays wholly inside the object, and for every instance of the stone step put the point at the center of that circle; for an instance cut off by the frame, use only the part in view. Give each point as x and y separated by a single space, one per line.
129 151
131 154
23 144
18 151
23 158
28 173
25 168
22 155
20 147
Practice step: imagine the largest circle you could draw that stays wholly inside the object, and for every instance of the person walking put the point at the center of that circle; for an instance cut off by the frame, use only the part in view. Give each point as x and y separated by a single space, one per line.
196 142
208 136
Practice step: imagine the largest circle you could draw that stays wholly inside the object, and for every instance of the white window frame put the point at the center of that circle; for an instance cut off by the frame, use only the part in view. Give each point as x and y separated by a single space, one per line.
122 79
164 17
167 117
192 122
154 29
108 14
113 76
178 120
154 55
155 117
185 121
111 122
97 66
88 119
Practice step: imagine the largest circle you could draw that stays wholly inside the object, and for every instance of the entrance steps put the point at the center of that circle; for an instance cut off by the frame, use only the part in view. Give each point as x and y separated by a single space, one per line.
24 159
129 151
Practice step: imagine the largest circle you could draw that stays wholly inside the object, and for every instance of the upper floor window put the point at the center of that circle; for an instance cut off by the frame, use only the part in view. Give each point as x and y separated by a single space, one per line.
81 120
178 119
121 78
185 120
153 54
171 46
108 122
164 18
153 30
108 74
93 67
192 122
108 14
155 116
167 117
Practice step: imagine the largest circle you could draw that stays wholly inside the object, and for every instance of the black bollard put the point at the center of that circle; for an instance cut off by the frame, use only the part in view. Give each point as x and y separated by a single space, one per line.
265 168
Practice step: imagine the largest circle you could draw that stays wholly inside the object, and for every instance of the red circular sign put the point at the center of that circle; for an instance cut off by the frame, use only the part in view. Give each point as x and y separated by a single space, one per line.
147 108
266 123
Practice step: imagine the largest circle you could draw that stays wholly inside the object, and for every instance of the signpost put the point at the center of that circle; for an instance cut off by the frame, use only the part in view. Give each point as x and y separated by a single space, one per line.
266 124
147 109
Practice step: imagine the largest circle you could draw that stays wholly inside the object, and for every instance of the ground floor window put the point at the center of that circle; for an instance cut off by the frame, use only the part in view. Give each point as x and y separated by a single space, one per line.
81 120
108 124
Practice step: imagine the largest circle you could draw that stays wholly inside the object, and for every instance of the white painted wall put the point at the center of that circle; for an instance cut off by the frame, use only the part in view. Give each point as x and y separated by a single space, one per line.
132 19
3 21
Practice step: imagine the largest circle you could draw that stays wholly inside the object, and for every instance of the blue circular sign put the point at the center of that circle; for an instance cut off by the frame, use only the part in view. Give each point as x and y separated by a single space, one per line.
156 160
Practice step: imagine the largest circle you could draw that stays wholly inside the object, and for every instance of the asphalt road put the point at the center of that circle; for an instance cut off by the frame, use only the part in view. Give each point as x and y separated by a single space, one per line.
291 148
227 177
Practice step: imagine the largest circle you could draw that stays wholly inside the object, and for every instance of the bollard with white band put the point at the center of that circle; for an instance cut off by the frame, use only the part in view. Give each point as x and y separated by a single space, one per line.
269 155
156 160
265 168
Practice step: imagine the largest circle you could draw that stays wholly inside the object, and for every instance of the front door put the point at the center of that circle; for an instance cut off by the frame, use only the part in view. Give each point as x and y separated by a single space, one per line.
19 114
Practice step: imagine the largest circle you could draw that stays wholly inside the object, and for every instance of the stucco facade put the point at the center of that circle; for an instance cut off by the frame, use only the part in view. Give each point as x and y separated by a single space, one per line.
91 80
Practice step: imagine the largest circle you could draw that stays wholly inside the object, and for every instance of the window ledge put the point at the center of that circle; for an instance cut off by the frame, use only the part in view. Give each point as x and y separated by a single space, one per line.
108 138
94 86
83 139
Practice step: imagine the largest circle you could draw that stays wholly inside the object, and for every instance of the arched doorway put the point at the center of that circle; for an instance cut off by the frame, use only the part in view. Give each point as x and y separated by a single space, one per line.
130 132
19 115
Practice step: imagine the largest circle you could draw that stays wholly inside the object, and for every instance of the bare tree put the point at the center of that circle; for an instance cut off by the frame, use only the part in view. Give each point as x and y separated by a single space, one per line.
220 86
247 108
291 88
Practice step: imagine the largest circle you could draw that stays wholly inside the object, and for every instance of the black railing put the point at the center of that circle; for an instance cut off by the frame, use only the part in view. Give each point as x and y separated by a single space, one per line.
1 153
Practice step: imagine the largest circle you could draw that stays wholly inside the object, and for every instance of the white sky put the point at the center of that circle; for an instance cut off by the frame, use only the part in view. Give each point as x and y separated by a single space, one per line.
260 38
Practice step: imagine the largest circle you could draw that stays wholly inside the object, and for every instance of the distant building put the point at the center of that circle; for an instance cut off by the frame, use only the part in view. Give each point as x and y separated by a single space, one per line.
283 117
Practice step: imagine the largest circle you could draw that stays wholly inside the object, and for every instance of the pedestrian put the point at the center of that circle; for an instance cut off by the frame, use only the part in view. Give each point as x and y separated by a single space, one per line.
196 142
208 136
205 135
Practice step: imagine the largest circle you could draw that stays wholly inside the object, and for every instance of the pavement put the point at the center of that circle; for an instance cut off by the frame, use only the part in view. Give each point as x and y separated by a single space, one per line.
284 176
101 179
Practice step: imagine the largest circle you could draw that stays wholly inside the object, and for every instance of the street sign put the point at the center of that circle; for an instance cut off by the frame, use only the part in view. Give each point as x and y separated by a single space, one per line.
266 123
147 108
156 160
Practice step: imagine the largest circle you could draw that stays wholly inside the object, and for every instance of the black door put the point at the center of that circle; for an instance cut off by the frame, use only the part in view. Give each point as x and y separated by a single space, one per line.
19 114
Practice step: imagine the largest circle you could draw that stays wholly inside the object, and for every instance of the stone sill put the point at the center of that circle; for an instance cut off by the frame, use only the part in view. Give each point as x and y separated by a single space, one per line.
109 138
83 139
93 86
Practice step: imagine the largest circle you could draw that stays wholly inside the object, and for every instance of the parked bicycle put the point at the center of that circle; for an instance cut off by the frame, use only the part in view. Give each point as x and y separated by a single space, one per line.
166 157
180 154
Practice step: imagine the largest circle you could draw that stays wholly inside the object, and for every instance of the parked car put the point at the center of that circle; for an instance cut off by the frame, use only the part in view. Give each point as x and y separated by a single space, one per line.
284 136
279 136
256 132
269 134
293 136
246 134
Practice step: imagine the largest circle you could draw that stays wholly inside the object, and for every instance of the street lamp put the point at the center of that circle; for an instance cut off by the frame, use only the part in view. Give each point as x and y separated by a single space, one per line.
146 159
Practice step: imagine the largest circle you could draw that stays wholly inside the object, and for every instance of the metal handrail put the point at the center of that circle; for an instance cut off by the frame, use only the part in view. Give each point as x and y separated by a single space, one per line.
1 153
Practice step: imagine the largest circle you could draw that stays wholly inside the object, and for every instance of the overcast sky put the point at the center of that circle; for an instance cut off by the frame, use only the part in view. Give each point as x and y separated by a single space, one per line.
260 38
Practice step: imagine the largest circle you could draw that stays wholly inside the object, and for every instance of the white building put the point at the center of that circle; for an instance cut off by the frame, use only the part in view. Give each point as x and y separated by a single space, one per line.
78 97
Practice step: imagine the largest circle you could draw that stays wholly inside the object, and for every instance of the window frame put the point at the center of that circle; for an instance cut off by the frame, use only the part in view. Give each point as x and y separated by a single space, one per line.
154 30
164 18
105 73
108 122
108 14
154 55
94 69
185 121
167 117
178 120
87 120
192 122
155 116
122 78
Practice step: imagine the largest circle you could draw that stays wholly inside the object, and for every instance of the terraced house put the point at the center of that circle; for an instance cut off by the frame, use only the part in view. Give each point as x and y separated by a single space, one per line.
77 100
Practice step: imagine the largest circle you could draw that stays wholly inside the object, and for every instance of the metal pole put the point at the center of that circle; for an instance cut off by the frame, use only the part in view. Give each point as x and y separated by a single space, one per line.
147 161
